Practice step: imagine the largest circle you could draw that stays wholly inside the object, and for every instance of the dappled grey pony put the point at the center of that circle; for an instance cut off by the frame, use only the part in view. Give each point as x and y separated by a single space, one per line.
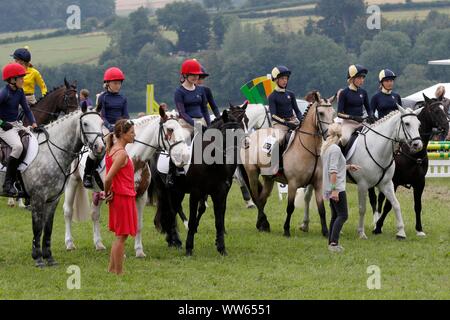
45 177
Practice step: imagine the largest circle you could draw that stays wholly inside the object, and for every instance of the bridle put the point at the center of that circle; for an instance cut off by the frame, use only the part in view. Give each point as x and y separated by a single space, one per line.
83 138
163 138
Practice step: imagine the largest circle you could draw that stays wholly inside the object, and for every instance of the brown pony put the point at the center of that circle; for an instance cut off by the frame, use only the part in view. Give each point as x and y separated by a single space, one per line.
302 163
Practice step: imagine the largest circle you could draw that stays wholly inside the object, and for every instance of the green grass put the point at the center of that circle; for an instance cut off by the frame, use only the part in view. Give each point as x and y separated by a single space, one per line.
85 48
258 265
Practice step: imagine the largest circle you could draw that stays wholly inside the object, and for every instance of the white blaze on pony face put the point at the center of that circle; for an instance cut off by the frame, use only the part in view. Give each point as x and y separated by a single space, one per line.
91 132
175 135
409 130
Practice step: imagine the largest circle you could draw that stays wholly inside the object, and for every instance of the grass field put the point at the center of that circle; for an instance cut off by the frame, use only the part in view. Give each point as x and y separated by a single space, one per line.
258 265
85 48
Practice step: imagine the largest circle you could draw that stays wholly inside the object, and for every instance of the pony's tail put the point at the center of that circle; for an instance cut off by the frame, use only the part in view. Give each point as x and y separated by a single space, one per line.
81 207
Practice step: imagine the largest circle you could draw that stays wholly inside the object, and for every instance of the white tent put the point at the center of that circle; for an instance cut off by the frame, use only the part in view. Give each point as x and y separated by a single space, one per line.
440 62
429 92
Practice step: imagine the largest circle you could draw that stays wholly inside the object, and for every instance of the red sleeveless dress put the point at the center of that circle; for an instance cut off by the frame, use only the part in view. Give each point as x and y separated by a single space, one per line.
122 209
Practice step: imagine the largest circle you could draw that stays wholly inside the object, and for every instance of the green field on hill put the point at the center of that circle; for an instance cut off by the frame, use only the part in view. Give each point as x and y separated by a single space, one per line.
85 48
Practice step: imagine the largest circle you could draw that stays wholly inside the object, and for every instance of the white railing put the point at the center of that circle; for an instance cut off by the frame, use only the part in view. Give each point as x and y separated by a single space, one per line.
439 169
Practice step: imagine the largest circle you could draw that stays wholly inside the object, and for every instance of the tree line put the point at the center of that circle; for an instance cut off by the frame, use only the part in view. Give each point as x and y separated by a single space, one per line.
235 53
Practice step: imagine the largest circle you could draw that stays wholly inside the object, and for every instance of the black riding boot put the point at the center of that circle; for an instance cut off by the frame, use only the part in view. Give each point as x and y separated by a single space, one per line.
88 172
10 178
170 178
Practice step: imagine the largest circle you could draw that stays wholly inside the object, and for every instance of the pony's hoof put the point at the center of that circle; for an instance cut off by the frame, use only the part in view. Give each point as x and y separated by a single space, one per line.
140 254
287 233
421 234
363 236
250 204
188 252
401 235
223 252
11 203
99 246
39 263
70 246
377 231
304 227
264 226
325 233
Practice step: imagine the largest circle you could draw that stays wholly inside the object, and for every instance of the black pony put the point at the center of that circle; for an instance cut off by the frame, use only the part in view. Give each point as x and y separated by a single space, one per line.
411 168
201 180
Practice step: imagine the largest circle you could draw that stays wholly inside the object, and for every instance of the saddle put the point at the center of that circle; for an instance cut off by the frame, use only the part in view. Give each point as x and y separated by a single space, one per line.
346 149
5 149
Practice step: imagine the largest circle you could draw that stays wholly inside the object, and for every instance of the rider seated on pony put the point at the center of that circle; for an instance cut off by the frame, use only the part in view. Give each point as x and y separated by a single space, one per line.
11 96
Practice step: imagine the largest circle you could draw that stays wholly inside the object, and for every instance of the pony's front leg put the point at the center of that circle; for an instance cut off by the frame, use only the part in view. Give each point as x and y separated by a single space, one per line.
138 246
307 199
362 194
373 204
292 192
49 211
96 206
38 226
68 212
388 190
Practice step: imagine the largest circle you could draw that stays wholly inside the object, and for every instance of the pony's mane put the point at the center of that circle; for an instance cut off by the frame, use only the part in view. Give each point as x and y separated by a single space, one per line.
144 120
63 118
385 118
49 92
307 109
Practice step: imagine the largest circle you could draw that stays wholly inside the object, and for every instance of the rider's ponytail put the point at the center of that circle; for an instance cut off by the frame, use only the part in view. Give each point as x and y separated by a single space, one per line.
334 135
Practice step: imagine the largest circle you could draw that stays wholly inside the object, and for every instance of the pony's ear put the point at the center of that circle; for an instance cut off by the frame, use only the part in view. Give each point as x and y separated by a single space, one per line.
418 111
74 84
230 104
317 97
332 99
66 83
225 117
402 110
427 100
162 114
245 105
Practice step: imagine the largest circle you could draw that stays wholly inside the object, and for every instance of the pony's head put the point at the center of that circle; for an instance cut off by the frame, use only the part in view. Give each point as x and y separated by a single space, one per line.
434 116
90 127
409 128
174 139
323 111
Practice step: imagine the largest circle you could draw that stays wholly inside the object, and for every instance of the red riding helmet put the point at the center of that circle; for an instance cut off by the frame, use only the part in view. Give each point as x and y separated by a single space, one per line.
191 66
113 74
13 70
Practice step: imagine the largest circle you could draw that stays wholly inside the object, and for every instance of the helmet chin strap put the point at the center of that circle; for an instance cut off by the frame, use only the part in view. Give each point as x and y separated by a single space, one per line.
280 89
13 84
384 90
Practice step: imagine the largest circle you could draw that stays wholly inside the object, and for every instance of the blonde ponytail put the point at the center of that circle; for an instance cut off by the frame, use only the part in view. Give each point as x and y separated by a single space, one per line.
334 135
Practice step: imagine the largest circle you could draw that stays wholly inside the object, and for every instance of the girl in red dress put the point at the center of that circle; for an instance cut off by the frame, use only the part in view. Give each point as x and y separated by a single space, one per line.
120 193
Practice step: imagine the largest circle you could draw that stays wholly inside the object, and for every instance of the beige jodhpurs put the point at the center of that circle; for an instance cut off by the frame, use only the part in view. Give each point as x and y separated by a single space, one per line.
11 137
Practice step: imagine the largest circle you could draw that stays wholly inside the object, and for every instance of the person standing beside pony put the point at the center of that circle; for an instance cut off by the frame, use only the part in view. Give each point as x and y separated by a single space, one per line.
334 180
120 192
